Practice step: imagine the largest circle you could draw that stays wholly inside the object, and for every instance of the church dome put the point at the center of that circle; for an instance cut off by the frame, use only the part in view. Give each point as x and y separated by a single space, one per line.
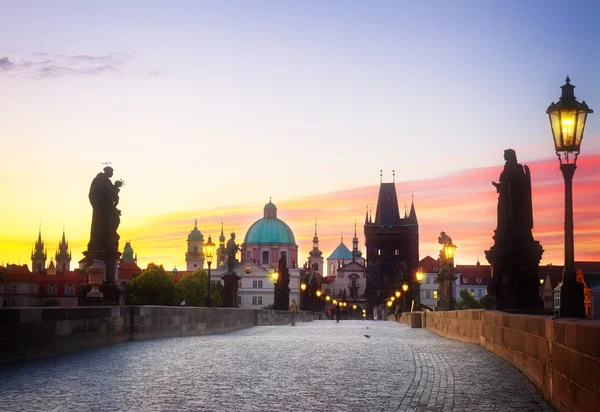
195 234
270 229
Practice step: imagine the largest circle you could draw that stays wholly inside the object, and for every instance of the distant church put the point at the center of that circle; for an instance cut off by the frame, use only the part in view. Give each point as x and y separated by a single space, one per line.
392 245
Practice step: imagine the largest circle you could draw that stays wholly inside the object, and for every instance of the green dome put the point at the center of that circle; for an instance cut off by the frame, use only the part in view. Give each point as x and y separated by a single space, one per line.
270 230
195 234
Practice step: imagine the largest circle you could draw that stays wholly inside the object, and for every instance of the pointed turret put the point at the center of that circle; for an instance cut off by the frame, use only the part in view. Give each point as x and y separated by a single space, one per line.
315 252
222 252
387 212
315 258
412 216
367 215
39 255
356 253
63 255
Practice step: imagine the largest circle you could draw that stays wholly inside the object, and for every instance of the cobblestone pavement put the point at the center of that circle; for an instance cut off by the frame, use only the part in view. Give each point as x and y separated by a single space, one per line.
316 366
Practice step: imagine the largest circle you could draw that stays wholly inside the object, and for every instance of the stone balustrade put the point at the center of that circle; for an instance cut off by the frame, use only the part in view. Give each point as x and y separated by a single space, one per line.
27 333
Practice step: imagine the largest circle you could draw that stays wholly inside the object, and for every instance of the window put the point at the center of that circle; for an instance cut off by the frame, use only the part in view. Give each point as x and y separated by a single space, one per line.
265 257
68 302
260 284
427 294
257 300
249 255
13 288
472 292
195 250
479 292
435 295
13 303
255 284
52 289
239 300
70 289
240 285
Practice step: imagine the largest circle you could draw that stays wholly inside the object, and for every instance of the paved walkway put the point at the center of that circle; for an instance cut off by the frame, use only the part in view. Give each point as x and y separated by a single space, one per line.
317 366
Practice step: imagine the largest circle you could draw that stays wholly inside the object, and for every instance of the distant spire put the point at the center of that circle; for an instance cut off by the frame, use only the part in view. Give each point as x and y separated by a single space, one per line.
315 226
367 215
342 236
196 223
371 215
394 176
381 176
354 227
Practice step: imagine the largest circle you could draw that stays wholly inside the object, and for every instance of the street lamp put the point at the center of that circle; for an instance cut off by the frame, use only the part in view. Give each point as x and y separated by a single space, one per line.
274 277
209 253
419 277
302 297
398 293
567 120
450 251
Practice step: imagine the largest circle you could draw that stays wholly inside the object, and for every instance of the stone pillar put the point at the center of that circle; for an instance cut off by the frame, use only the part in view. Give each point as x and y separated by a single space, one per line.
230 290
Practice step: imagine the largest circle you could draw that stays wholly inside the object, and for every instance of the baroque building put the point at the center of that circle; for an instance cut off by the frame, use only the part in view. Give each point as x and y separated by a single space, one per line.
194 257
392 245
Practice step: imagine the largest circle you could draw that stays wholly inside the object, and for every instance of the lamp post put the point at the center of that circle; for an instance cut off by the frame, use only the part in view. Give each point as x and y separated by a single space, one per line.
319 293
404 302
209 253
419 277
274 277
567 120
302 297
449 251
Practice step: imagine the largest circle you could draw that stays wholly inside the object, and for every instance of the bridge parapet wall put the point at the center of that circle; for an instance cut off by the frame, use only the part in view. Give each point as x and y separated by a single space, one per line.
27 333
561 356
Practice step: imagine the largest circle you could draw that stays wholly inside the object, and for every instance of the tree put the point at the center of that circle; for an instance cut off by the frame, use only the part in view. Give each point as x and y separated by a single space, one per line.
154 286
467 301
193 289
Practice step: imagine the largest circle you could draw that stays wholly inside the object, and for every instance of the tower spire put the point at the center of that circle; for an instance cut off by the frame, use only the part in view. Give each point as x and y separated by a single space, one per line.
381 176
394 176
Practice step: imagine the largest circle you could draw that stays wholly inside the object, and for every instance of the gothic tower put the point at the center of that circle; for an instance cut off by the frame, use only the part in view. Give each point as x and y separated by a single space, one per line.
63 255
222 251
194 257
356 253
38 255
315 259
392 245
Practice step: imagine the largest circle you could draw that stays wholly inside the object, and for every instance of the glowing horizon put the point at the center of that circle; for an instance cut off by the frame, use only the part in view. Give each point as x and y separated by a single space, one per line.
463 204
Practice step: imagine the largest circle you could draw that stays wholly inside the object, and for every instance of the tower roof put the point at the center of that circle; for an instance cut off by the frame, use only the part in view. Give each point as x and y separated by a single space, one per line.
195 234
387 212
341 252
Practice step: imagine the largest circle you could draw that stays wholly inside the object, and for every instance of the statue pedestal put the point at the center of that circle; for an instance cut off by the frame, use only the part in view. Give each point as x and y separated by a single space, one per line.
230 289
109 289
282 299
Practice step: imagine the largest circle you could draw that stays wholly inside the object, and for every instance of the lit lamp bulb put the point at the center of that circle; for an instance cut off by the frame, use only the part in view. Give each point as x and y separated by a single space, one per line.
319 293
389 303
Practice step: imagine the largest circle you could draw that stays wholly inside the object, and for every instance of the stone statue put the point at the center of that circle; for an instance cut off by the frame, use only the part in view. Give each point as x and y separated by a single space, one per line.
514 196
232 250
284 272
515 255
104 198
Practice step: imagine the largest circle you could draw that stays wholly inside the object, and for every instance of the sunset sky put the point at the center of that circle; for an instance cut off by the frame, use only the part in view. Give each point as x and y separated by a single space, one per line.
206 109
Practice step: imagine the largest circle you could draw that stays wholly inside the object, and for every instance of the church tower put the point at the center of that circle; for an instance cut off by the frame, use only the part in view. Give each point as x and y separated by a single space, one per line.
392 245
222 251
356 253
128 256
38 255
315 259
63 255
194 257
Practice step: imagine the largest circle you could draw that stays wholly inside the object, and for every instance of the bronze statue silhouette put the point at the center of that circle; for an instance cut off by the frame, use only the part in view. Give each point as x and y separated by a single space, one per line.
232 249
104 198
515 255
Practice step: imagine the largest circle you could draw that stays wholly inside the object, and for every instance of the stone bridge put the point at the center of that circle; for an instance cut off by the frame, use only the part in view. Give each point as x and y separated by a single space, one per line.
360 366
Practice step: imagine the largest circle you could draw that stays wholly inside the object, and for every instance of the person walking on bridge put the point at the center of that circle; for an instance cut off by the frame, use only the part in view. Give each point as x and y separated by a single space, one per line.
294 309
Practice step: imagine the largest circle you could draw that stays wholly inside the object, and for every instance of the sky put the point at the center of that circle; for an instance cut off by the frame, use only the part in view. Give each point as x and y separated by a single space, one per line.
207 109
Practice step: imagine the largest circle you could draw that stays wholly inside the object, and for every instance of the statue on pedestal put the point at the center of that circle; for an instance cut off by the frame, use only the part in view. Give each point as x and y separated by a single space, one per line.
104 239
515 255
230 278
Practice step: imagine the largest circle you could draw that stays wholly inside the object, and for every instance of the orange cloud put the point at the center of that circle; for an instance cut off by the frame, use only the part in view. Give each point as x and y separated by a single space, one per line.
462 204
